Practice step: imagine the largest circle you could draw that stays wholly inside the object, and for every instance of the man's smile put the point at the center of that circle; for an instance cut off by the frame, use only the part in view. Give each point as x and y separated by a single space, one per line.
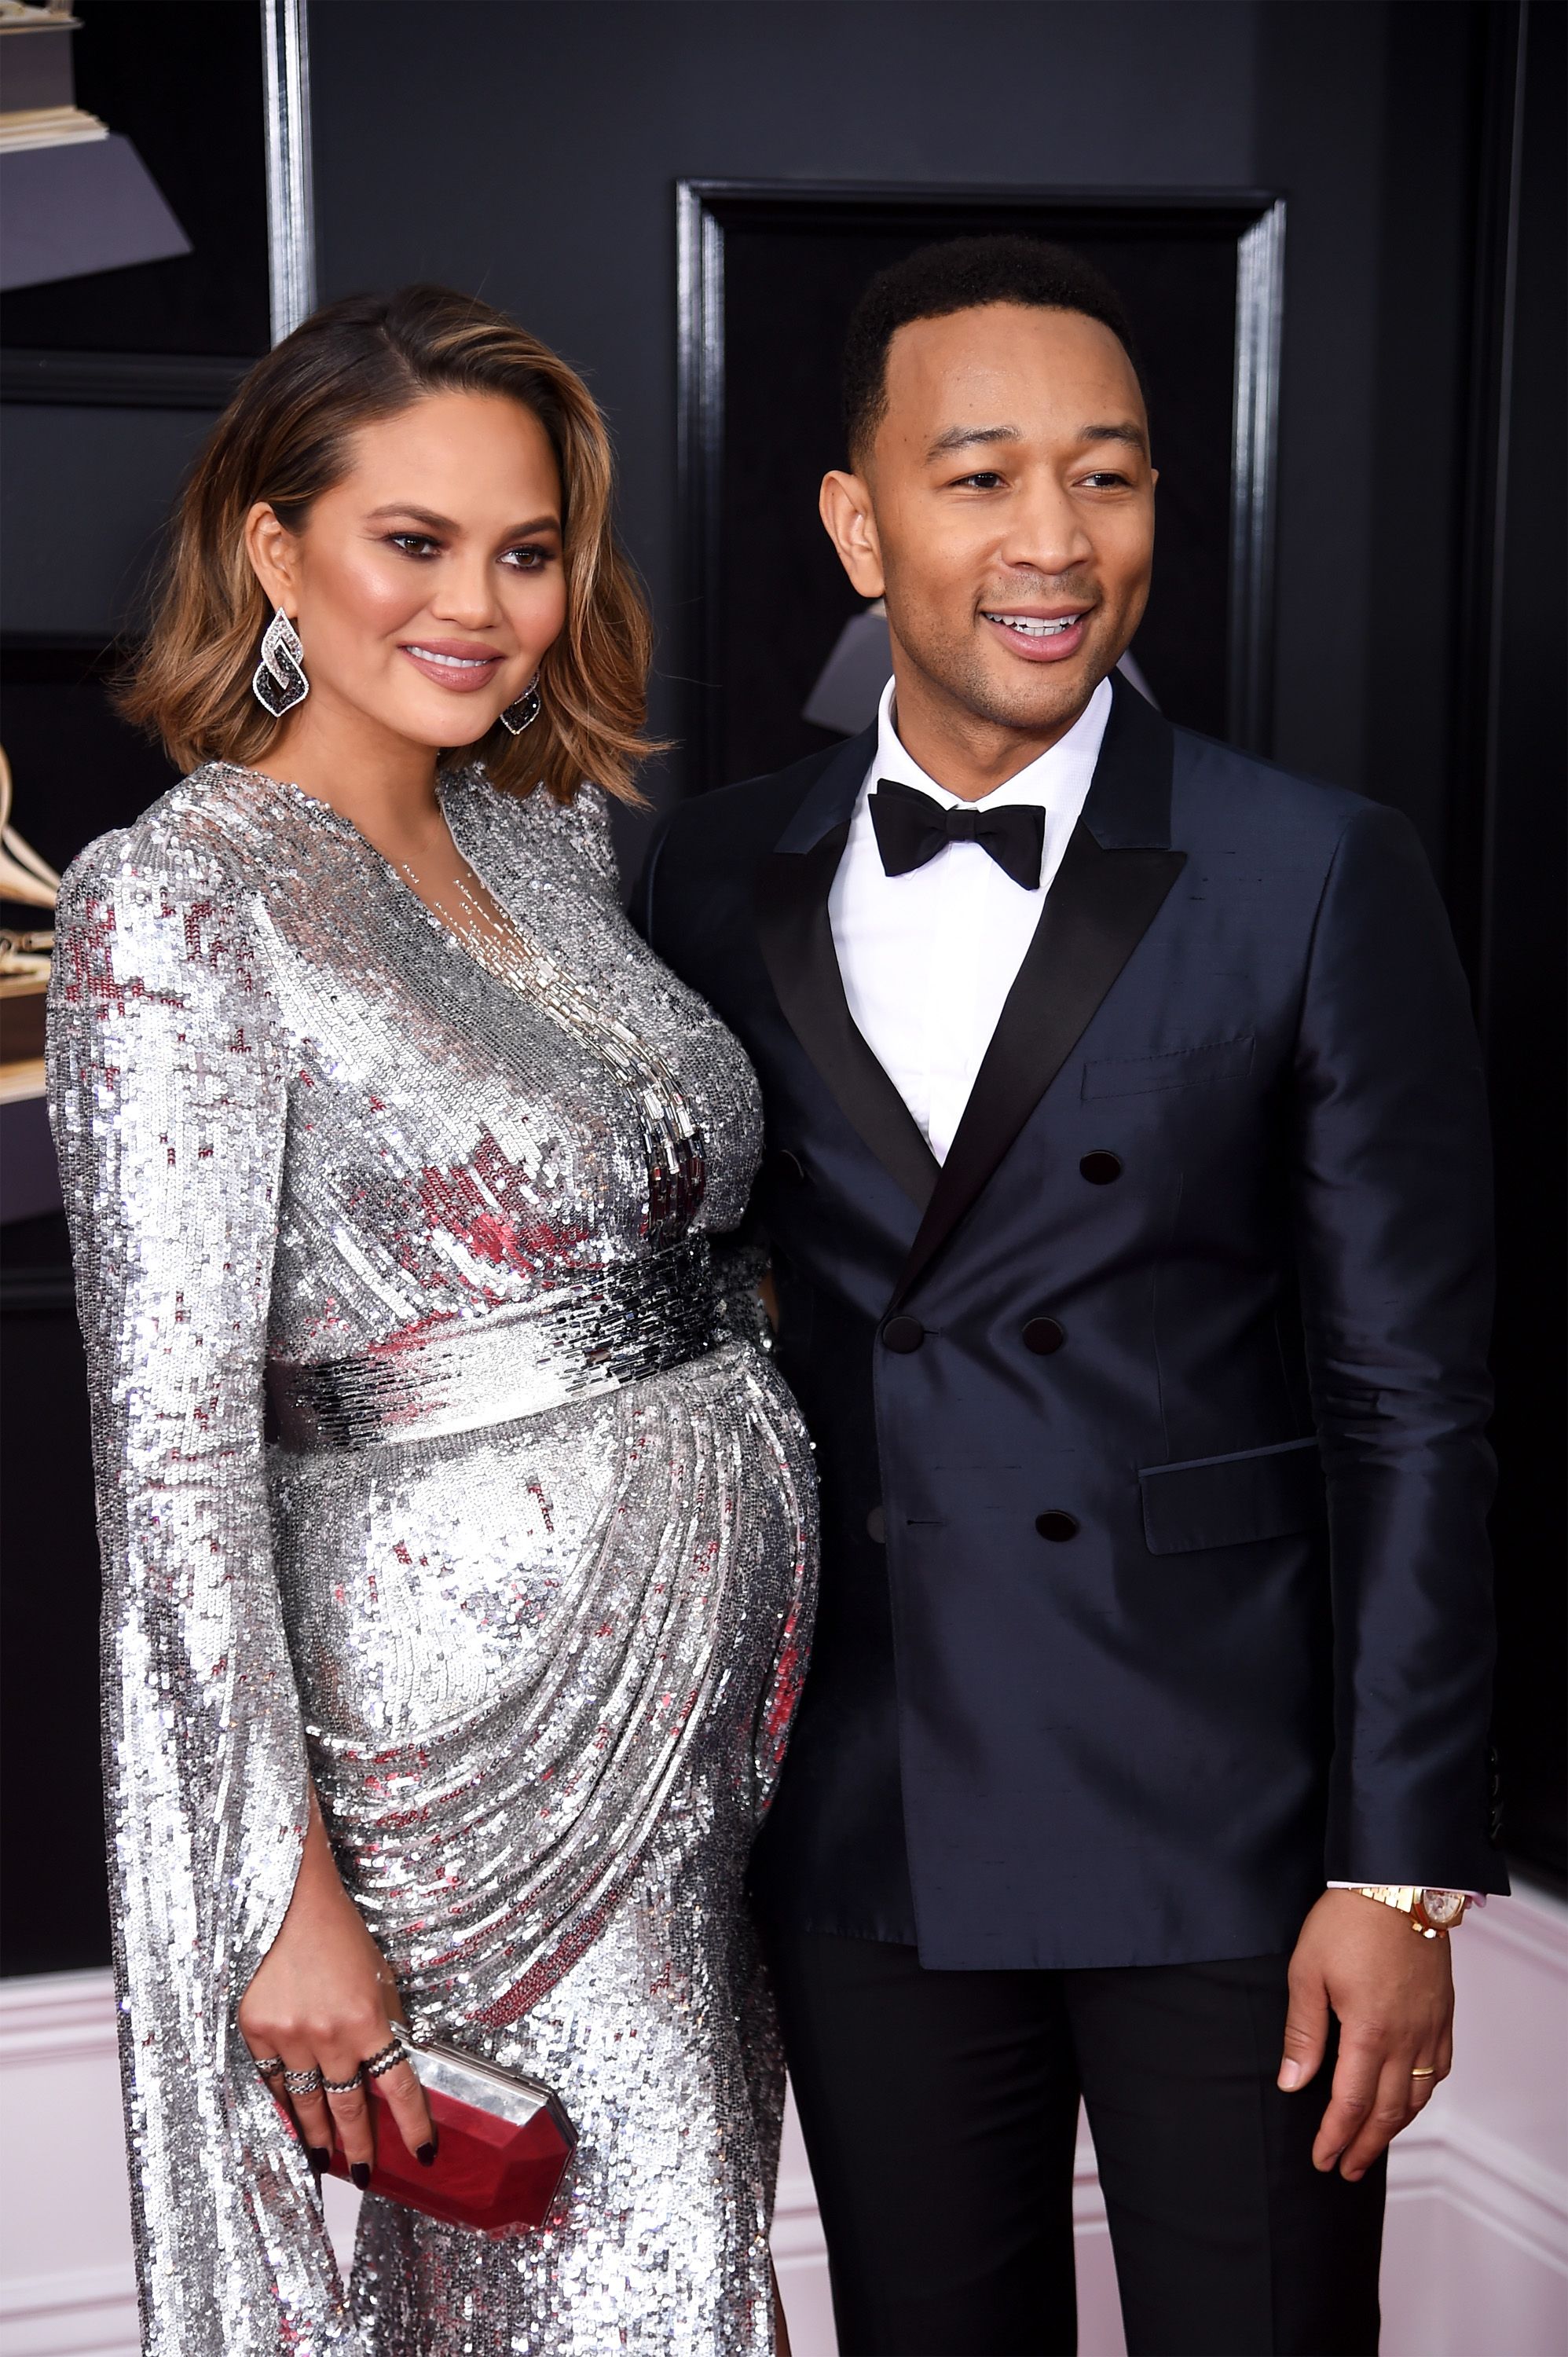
1039 637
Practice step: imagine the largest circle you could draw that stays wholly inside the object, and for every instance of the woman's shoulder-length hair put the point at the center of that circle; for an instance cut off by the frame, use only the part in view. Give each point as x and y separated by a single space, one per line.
285 439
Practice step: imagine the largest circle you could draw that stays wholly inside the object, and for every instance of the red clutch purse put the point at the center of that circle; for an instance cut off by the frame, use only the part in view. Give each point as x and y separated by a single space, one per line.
503 2143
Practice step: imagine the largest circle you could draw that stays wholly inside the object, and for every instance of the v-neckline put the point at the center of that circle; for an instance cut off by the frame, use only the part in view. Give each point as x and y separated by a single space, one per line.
319 807
635 1064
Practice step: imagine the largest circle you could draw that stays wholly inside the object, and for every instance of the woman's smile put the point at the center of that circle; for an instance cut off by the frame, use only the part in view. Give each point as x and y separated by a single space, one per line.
459 664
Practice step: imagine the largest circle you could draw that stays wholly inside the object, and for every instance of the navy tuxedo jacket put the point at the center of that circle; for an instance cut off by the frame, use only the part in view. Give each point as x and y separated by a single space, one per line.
1151 1426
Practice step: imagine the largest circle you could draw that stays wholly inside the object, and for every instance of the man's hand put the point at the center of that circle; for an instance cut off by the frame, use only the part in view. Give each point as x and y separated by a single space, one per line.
1393 1994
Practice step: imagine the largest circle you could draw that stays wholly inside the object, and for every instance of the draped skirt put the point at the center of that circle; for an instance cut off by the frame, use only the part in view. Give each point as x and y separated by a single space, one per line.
547 1669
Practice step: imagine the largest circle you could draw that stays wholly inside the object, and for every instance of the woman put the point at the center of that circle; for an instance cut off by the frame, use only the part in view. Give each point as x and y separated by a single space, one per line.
462 1699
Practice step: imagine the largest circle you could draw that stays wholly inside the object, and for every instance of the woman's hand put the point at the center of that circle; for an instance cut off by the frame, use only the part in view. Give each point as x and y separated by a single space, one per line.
322 1999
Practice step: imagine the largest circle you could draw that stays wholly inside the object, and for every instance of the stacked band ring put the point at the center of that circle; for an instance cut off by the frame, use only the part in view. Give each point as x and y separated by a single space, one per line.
342 2087
269 2065
385 2058
303 2083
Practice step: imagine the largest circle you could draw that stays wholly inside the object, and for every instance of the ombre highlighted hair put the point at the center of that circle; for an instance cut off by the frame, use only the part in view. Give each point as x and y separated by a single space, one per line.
285 439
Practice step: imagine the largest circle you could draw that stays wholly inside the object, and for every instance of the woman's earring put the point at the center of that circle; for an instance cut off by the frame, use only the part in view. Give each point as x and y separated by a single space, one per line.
524 712
278 682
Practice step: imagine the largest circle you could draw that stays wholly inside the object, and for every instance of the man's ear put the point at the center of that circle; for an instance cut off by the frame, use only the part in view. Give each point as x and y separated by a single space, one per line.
844 506
274 554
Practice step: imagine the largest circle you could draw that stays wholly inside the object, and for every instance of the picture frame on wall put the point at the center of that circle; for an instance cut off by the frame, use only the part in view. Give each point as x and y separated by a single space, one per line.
769 273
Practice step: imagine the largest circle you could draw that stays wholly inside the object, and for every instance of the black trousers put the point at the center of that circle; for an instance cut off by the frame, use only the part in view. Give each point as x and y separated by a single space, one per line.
940 2112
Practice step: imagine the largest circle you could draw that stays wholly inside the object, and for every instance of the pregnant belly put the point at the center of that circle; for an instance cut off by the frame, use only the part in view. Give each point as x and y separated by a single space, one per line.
509 1643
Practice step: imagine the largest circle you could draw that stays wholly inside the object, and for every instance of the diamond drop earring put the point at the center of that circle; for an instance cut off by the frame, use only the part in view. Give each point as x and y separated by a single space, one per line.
524 712
278 682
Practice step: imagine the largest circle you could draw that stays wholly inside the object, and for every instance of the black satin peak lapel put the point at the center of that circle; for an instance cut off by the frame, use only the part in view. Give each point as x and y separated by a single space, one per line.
797 942
1113 882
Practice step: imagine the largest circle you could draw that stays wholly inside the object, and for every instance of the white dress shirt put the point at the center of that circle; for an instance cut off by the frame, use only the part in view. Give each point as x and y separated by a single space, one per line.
929 958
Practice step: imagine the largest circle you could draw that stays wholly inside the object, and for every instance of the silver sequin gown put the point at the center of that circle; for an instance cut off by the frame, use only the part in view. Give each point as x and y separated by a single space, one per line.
523 1578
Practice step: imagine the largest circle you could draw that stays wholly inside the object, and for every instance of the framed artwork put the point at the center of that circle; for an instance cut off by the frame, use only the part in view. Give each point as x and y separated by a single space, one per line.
769 275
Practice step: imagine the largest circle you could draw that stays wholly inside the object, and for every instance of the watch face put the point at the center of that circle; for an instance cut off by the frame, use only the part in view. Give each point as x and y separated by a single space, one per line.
1443 1906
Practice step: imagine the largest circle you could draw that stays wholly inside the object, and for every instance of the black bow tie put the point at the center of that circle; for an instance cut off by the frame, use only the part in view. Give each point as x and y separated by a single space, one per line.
911 828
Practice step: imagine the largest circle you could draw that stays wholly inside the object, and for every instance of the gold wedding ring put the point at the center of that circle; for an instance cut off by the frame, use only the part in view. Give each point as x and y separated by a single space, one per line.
1429 2073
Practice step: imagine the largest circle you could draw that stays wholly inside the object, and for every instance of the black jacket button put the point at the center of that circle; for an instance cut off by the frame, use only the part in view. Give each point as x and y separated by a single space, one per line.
877 1526
903 1333
1055 1524
1101 1167
790 1167
1043 1335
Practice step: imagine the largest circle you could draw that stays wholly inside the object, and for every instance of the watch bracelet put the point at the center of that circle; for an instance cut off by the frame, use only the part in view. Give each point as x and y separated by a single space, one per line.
1407 1898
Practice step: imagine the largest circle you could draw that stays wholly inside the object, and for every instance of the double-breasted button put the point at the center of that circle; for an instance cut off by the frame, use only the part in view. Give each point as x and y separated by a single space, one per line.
877 1526
790 1167
1101 1167
1043 1335
903 1333
1056 1525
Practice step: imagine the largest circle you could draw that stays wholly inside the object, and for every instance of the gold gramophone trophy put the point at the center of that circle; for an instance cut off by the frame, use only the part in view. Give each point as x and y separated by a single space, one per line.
24 957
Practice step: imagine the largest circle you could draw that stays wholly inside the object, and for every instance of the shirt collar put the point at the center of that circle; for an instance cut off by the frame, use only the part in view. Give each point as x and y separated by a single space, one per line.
1062 771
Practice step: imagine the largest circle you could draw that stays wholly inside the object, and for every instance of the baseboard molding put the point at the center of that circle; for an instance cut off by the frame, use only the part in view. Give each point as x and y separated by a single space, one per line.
1481 2178
58 2046
56 2018
797 2236
84 2312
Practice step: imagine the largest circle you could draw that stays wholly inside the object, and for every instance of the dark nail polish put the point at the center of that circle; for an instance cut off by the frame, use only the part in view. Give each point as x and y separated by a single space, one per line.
425 2155
320 2158
360 2173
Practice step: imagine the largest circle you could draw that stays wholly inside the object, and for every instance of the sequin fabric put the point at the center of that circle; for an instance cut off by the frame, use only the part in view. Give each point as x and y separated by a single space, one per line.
524 1581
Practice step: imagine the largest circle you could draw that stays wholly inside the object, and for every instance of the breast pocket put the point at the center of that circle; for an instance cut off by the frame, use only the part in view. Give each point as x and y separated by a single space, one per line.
1216 1501
1179 1068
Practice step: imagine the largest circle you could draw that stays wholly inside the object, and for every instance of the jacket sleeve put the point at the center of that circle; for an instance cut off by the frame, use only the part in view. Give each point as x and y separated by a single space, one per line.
640 909
167 1098
1392 1214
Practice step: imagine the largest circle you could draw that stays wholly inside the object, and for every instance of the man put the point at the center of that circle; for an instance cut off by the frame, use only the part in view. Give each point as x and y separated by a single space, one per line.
1127 1202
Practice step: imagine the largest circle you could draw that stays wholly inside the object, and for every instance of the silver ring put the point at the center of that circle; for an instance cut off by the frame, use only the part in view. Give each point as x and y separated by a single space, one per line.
385 2058
268 2065
342 2087
303 2083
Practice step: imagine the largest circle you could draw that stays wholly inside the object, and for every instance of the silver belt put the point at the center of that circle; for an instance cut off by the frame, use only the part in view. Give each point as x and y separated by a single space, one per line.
606 1328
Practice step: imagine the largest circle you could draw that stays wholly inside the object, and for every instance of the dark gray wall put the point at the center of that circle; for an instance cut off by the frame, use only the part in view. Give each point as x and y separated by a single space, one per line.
84 496
531 154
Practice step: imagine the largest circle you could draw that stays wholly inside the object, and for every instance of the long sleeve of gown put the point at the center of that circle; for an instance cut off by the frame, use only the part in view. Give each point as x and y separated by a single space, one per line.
167 1096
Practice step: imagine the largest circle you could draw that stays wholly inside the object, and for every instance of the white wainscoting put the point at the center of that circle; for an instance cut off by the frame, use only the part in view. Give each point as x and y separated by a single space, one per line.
1476 2253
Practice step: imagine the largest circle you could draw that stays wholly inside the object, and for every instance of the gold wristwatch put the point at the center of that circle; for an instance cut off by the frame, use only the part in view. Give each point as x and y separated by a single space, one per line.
1433 1914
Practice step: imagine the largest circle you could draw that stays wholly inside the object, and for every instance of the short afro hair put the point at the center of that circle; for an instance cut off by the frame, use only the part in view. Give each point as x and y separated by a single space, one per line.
959 275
